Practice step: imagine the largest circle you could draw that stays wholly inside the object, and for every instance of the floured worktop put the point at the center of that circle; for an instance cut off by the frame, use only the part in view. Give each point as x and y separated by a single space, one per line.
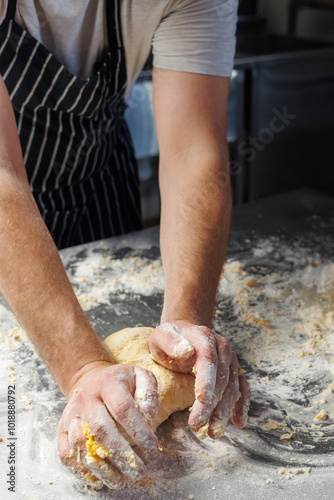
275 306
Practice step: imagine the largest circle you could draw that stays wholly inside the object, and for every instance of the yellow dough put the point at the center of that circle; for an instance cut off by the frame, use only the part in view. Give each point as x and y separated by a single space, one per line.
176 390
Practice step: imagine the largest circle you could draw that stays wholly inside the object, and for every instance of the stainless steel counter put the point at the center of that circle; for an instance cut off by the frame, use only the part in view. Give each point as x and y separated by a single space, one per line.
275 305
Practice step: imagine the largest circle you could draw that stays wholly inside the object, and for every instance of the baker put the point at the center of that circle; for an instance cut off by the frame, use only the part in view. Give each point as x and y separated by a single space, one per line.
68 176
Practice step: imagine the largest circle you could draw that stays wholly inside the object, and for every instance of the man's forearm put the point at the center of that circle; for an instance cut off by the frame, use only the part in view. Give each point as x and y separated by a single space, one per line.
32 277
35 285
190 114
195 222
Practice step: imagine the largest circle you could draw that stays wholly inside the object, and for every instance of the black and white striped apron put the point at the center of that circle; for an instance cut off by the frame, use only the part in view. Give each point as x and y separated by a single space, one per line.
75 142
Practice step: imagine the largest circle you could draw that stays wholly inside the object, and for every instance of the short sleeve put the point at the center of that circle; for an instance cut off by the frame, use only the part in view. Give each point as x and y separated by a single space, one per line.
197 36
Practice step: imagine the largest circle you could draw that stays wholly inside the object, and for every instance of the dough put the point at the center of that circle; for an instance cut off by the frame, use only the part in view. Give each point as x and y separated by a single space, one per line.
176 390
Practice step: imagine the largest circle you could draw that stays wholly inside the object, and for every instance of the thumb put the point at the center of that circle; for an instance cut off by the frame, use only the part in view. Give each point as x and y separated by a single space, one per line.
165 340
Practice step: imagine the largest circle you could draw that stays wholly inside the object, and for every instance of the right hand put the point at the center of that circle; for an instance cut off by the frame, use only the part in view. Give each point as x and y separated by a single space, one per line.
103 395
222 391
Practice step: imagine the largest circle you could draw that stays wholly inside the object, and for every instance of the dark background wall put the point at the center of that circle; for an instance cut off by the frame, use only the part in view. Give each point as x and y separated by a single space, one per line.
314 23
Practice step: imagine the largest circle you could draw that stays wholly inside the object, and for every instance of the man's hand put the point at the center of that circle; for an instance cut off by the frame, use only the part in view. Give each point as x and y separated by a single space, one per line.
104 395
221 389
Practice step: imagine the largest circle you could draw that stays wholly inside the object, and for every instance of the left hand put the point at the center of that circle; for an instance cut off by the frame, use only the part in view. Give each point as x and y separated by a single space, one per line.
221 389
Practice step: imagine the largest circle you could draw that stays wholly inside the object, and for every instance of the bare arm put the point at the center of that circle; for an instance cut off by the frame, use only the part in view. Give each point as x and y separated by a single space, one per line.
34 283
32 278
190 112
195 190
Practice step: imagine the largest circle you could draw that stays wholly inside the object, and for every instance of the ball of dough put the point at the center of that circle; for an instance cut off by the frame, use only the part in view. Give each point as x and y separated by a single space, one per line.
176 390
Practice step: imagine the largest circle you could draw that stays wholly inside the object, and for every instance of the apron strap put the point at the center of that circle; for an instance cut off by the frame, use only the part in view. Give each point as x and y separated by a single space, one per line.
111 23
11 9
113 14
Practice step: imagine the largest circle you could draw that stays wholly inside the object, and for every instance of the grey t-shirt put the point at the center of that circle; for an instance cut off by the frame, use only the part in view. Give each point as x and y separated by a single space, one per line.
196 36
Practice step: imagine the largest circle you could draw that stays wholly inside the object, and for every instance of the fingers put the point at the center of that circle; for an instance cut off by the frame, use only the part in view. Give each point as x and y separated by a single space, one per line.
231 393
235 402
167 344
205 369
216 416
201 413
240 411
221 391
103 441
93 454
126 411
70 460
90 443
217 400
205 346
146 394
206 374
224 409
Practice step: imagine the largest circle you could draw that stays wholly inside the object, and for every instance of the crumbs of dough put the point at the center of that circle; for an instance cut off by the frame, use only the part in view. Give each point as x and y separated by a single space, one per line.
273 425
203 431
70 454
131 458
289 473
94 482
322 415
14 338
96 455
255 320
287 436
251 282
27 400
219 424
234 267
18 334
95 450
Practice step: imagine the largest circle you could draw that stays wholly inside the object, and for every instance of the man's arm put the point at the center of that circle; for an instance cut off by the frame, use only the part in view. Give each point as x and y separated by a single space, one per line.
35 285
32 277
190 113
195 190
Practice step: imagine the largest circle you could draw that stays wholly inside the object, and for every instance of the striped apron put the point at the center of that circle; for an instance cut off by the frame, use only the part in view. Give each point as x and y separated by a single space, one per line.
76 145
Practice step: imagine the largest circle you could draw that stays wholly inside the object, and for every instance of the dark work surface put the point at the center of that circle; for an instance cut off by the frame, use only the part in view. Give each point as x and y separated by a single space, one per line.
267 237
301 212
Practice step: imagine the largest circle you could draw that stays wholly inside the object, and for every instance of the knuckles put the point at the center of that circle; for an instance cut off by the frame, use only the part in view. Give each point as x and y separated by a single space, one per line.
154 383
122 408
222 372
105 376
204 330
99 430
224 346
